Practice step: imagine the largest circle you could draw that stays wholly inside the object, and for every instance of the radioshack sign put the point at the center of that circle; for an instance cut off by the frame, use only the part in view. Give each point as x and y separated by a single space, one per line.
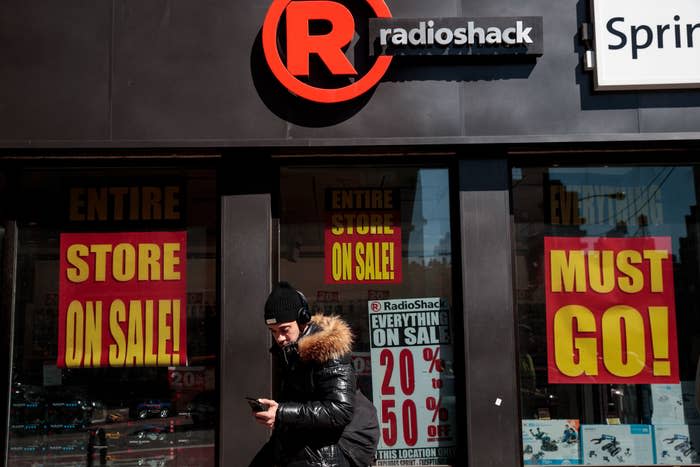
456 36
291 35
646 44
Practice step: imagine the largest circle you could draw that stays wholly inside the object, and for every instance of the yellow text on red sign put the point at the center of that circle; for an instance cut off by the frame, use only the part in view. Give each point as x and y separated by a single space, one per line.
122 299
610 310
123 262
363 247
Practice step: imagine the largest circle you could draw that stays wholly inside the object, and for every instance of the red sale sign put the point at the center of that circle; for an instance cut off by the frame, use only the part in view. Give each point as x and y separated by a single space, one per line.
362 237
611 314
122 299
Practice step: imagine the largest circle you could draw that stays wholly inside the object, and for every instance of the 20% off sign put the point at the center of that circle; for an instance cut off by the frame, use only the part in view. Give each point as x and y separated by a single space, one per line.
412 380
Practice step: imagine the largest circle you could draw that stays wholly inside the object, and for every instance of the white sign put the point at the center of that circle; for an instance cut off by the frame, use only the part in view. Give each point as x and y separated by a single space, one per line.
667 404
675 444
617 444
552 442
690 411
646 44
412 381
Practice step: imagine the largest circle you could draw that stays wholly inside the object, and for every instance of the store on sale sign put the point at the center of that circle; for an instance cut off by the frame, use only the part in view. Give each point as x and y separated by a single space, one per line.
412 380
122 299
611 314
362 238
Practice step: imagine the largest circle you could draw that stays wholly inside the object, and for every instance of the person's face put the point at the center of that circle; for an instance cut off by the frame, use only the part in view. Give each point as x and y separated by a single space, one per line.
285 333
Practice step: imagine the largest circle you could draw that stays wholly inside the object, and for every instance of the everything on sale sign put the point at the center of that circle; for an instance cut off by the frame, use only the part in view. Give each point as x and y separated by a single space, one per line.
412 381
611 314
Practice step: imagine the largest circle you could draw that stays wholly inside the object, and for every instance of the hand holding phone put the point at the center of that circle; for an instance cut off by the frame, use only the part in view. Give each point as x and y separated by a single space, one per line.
256 405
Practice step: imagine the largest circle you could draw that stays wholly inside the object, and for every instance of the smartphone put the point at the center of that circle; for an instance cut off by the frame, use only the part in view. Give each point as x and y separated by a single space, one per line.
256 405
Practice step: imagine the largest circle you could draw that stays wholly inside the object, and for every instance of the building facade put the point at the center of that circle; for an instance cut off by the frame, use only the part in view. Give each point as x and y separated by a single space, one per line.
499 197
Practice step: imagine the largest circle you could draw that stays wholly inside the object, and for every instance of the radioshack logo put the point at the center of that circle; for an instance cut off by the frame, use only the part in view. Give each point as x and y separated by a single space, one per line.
328 47
289 32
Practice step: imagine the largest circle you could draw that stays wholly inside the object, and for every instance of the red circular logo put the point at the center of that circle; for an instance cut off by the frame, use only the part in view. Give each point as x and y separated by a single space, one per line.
328 47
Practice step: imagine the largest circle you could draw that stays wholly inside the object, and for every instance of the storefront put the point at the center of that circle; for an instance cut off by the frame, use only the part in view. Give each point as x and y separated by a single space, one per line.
498 197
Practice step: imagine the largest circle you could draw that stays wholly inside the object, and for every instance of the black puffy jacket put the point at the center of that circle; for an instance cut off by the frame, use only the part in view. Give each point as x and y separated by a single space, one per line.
317 397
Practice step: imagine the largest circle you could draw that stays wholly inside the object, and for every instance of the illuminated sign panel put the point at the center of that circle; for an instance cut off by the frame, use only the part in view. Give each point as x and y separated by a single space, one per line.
646 44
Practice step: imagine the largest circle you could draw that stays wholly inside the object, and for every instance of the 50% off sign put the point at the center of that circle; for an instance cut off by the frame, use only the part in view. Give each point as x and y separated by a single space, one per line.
413 385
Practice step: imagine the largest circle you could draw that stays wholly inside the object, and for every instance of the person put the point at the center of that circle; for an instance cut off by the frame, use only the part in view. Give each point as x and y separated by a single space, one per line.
319 417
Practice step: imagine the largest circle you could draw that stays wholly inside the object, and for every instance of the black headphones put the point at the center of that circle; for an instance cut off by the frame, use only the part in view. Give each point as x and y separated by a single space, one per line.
304 314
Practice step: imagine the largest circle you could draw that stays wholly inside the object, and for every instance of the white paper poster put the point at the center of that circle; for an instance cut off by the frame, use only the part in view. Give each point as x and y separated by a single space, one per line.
690 411
675 444
551 442
617 444
667 403
412 381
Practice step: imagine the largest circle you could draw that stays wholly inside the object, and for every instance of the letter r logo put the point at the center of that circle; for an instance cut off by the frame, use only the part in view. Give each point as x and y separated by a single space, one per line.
329 47
301 44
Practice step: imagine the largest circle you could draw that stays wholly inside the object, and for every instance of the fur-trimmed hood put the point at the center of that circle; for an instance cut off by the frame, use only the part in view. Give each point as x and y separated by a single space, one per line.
329 337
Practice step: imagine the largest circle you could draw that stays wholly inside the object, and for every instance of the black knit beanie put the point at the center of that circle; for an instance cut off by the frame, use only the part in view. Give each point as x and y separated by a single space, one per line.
283 304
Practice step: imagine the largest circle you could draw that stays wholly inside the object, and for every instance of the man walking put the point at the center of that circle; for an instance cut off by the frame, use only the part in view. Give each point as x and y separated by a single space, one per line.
320 418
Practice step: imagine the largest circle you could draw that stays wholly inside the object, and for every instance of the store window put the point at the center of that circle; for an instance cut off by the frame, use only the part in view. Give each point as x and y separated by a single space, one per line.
115 337
373 245
607 277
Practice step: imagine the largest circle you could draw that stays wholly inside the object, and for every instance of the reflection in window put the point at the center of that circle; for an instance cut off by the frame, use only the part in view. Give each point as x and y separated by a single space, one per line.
143 415
631 421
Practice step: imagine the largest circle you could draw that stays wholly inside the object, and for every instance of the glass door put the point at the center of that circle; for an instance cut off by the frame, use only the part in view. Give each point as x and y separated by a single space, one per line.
373 245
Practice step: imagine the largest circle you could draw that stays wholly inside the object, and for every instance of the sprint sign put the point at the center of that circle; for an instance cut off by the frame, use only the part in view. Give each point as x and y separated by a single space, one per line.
610 310
328 46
